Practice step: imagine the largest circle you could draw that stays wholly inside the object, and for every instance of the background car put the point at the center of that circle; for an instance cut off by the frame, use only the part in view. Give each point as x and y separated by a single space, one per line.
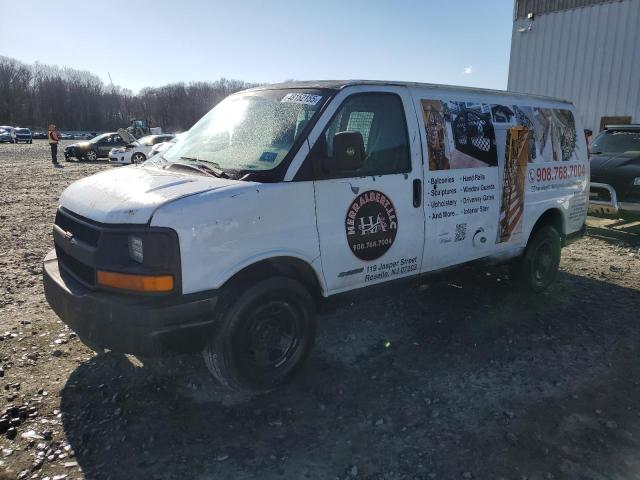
5 136
23 135
615 172
164 146
138 150
39 135
94 148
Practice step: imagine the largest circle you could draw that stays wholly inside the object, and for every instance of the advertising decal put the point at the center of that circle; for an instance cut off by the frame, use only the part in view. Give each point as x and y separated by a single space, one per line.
371 225
466 191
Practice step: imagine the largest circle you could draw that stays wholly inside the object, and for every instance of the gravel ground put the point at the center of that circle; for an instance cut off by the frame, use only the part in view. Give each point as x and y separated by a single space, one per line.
464 377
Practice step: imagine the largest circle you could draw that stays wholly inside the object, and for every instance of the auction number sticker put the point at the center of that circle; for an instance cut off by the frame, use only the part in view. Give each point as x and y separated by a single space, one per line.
302 98
371 225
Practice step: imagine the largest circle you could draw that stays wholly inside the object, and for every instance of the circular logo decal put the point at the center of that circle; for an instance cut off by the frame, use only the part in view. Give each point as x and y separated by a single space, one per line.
371 225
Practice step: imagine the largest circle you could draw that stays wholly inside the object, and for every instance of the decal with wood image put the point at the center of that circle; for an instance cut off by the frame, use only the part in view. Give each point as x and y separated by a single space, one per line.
553 133
459 134
517 151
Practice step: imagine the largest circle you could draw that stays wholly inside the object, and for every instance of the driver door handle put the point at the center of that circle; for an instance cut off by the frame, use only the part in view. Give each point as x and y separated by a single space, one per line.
417 193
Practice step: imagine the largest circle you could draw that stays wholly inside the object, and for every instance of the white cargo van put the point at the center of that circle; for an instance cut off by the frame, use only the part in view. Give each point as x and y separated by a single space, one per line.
285 194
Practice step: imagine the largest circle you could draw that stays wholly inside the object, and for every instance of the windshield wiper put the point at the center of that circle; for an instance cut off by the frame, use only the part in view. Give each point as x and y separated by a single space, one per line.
203 165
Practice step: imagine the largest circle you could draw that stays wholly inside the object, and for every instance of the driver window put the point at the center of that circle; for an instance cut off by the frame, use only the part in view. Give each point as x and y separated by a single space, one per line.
379 118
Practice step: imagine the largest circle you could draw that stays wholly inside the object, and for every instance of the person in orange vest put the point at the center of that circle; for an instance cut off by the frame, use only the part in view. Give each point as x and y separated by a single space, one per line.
53 143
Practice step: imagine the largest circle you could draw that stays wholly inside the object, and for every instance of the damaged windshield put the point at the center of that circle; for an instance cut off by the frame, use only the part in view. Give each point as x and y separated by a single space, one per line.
249 131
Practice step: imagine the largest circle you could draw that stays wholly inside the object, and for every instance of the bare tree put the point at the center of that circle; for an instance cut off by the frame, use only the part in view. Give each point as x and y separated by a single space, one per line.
36 95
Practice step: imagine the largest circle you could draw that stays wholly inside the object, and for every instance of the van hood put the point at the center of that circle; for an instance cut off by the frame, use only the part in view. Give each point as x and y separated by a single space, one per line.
132 194
605 167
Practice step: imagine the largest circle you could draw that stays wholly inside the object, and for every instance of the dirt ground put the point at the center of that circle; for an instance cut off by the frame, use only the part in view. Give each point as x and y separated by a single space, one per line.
463 377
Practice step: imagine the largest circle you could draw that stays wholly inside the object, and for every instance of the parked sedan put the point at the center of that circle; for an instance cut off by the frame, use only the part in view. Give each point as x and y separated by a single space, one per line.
39 135
23 135
615 172
5 136
138 150
94 148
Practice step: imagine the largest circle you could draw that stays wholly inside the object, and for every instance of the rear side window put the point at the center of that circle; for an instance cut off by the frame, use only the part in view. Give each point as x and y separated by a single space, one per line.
380 119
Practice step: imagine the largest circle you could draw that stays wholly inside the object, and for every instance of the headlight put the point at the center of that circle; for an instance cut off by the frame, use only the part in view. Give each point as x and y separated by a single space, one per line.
140 259
136 250
636 181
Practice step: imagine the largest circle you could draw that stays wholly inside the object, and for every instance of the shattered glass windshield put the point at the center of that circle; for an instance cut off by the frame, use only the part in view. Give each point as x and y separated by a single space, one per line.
249 131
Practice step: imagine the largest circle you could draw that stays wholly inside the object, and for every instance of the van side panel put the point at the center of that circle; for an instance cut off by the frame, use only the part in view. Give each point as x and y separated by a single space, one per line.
493 165
558 178
239 227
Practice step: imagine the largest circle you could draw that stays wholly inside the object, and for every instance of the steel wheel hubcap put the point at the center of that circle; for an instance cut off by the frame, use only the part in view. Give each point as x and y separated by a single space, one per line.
272 335
543 262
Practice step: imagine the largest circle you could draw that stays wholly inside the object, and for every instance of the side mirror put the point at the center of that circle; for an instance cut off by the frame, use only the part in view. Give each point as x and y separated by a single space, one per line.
348 152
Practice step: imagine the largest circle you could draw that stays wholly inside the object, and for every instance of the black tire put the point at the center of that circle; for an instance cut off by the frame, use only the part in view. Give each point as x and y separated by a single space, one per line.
263 335
538 267
138 157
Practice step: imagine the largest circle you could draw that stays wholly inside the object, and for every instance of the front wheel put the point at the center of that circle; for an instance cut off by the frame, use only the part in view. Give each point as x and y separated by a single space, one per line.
138 158
538 267
263 335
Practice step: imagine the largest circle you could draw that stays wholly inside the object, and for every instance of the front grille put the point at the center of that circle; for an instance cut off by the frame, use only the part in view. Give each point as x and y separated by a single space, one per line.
80 230
82 272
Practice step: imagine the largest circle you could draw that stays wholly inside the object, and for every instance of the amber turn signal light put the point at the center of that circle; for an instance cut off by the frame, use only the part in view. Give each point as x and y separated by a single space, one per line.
136 283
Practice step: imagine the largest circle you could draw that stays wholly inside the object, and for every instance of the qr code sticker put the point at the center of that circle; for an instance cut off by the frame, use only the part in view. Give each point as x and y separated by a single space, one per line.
461 232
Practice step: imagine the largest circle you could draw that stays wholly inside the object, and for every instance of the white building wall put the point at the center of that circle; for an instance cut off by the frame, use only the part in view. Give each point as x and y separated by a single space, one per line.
588 55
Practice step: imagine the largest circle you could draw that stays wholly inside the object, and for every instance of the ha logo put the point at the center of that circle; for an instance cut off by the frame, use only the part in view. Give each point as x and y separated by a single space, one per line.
371 225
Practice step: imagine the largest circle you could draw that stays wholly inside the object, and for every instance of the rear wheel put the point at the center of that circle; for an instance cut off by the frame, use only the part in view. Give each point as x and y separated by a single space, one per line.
538 267
263 335
91 155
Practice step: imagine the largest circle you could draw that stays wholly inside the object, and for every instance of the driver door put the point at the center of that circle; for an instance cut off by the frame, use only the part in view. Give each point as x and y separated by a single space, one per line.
370 221
104 146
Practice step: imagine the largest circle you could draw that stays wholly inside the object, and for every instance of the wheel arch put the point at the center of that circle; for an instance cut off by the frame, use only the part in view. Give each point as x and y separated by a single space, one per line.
554 217
284 265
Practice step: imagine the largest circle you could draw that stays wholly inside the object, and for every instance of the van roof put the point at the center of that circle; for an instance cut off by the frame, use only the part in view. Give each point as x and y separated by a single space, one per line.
339 84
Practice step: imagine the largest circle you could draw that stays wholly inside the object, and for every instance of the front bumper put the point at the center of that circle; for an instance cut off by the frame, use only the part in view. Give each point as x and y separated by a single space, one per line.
610 207
118 158
139 325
